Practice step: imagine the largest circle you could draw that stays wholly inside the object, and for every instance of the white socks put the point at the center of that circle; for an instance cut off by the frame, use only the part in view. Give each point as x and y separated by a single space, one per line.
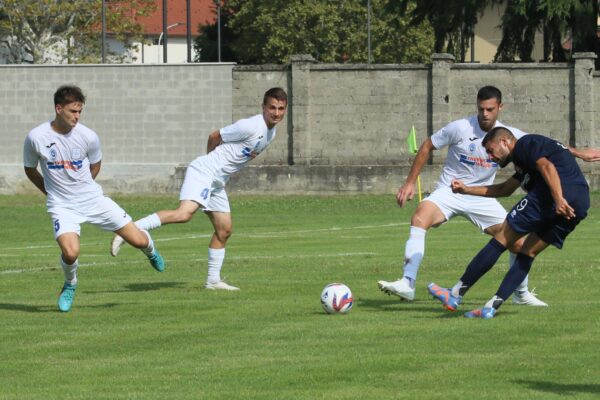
456 289
215 262
150 249
413 253
149 222
70 271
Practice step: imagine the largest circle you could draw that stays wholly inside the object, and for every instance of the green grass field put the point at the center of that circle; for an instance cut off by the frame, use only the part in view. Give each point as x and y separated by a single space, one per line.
134 333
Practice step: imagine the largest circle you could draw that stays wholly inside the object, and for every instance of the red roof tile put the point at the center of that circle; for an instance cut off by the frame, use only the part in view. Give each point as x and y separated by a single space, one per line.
202 12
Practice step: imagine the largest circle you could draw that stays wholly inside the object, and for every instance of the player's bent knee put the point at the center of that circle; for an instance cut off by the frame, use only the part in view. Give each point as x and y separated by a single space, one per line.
224 234
420 222
69 257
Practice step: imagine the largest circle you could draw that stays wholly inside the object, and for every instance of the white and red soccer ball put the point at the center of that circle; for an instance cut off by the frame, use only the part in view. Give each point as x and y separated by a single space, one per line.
336 298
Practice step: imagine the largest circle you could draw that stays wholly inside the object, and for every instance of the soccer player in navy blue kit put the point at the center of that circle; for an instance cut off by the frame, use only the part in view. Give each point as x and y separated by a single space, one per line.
557 200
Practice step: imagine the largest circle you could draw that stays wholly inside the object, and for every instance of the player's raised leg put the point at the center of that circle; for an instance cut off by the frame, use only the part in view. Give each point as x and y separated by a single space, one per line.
182 214
142 240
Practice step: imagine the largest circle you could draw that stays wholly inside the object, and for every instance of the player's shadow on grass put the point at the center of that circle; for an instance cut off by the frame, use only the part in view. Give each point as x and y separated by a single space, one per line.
395 305
422 306
142 287
49 308
561 388
27 308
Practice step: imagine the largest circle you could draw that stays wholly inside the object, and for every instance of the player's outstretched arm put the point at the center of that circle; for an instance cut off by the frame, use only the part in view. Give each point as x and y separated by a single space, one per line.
588 154
36 178
503 189
406 192
550 175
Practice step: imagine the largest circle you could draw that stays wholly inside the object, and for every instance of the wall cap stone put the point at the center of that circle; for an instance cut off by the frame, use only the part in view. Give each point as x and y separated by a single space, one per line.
584 55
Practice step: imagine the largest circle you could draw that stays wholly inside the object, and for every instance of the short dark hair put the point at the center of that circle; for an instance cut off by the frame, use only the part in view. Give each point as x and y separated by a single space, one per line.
489 92
68 94
496 132
276 93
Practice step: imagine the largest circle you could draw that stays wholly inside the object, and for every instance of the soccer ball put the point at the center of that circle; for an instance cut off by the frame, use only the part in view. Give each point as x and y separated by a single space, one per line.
336 298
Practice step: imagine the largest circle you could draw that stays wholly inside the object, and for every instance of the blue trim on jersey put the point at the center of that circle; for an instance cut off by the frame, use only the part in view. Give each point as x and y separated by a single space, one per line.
469 160
74 165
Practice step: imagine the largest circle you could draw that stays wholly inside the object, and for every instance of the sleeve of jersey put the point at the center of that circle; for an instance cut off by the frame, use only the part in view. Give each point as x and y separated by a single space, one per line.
237 131
95 150
444 136
30 154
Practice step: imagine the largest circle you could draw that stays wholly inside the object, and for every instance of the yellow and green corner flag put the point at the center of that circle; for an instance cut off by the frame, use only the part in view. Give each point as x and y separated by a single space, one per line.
412 148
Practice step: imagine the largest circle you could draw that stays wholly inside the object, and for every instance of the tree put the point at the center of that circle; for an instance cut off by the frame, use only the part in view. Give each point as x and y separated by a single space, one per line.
453 21
206 44
561 21
330 31
41 31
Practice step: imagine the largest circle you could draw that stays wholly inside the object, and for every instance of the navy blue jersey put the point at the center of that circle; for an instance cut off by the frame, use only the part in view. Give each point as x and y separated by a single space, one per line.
531 148
536 212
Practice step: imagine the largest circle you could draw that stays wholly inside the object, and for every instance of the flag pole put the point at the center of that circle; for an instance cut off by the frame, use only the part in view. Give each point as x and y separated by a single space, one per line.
412 147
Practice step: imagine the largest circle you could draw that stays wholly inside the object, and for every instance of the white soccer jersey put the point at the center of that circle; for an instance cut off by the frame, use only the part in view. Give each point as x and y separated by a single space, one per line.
65 163
240 140
467 159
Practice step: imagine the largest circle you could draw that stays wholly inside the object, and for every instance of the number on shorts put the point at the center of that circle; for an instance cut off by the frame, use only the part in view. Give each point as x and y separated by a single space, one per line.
204 193
56 225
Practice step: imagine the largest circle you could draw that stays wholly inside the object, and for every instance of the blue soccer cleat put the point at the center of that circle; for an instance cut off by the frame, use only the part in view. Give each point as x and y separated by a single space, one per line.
484 312
445 296
157 261
65 299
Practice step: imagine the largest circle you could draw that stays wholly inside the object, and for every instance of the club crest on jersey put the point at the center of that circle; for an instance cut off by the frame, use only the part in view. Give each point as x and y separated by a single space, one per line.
76 153
53 154
472 148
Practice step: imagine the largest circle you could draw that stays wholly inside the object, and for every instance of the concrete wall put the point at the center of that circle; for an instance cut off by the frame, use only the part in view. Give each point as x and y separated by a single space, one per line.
150 119
345 130
348 124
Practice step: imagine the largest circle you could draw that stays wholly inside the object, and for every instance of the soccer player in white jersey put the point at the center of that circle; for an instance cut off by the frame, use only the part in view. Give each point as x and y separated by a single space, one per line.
228 150
466 161
69 156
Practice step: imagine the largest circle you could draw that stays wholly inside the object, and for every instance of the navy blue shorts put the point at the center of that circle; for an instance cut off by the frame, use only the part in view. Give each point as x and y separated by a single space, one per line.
535 213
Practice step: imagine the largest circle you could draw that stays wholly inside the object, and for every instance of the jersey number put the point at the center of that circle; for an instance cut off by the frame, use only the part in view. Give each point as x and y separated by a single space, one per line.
56 226
204 193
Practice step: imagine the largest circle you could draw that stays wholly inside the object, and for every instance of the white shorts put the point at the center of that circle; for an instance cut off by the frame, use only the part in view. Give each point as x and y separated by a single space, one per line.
205 190
102 212
483 212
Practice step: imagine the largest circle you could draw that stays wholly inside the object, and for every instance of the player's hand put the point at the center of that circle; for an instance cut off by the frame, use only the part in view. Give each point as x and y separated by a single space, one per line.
405 193
590 155
564 209
458 186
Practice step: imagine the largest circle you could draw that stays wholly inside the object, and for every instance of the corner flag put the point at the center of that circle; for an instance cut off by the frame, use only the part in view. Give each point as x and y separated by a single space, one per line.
411 140
412 148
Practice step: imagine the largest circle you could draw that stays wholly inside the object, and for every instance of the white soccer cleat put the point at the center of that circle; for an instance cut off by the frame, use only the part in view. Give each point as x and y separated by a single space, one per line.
115 245
398 288
527 298
221 285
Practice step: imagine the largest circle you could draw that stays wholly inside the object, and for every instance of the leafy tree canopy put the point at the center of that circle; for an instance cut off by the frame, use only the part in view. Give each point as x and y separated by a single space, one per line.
559 20
330 31
40 31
